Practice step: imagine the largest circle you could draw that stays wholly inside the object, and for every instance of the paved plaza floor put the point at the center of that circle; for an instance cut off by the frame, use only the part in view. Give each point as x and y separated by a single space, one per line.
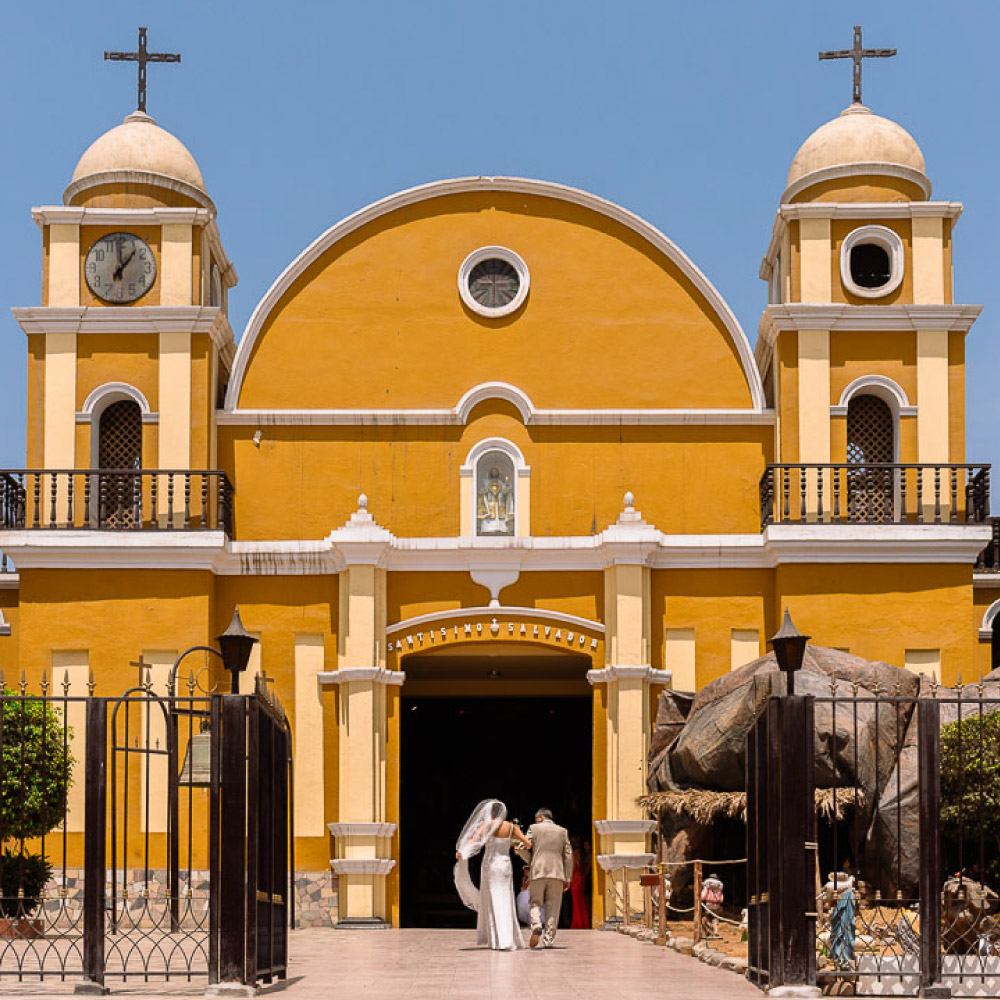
445 964
327 964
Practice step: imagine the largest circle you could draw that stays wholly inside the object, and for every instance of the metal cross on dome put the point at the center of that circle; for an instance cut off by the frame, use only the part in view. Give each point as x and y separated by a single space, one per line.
142 57
857 53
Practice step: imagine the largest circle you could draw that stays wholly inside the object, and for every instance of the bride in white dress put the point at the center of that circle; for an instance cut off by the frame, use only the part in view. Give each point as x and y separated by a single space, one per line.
488 827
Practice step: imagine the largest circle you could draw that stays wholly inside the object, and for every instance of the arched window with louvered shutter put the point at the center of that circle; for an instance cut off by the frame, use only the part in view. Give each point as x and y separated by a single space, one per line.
870 444
120 448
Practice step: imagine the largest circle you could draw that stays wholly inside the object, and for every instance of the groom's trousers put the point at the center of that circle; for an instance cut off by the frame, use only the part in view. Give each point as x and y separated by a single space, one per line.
548 893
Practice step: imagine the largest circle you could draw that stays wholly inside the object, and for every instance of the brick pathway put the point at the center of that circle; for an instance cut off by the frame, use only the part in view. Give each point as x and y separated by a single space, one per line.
327 964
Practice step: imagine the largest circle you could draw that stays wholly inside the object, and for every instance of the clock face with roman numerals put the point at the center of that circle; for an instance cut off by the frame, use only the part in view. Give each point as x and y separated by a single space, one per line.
120 267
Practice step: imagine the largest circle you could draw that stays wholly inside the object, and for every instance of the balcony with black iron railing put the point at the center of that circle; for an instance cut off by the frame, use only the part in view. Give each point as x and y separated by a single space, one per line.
989 558
875 493
116 500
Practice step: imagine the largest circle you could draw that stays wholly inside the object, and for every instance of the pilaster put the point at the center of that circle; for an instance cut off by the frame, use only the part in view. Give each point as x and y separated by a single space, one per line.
363 833
623 833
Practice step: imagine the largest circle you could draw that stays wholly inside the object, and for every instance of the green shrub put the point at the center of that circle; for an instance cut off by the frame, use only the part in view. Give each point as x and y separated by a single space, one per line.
35 770
22 879
35 775
970 791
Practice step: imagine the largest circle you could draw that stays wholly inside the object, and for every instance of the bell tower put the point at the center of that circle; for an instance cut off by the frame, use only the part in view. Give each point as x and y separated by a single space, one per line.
862 346
131 340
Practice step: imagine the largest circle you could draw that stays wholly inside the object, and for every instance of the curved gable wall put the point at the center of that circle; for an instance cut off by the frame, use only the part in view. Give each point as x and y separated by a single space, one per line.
369 317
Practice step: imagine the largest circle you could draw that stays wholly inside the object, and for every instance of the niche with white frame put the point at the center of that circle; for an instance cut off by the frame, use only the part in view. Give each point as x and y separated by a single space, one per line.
495 487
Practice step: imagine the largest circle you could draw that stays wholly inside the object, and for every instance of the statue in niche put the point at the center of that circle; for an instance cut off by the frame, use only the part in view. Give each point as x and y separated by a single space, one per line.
495 496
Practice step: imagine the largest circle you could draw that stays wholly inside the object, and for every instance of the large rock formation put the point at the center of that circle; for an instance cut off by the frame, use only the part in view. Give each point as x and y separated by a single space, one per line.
858 745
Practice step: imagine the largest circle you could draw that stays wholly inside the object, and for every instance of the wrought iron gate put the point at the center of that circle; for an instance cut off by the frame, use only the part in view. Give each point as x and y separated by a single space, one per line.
901 786
184 872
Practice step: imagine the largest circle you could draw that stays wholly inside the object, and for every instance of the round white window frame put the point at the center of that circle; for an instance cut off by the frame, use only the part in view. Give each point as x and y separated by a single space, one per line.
486 253
890 242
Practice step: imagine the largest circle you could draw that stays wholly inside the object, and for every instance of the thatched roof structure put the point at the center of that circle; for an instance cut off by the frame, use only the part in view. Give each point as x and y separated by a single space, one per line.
703 806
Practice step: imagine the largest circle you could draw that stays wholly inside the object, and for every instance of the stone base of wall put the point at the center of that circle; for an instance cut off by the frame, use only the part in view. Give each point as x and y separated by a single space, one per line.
315 899
315 893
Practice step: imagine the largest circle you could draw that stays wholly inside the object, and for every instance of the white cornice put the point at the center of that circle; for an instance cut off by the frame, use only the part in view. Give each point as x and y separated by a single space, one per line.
984 581
143 177
129 320
517 185
608 675
779 544
459 414
609 827
362 866
612 862
49 215
199 550
860 210
362 829
410 624
833 316
860 169
372 675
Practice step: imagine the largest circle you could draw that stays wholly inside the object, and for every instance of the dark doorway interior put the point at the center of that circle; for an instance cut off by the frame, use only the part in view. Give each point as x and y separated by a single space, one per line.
528 752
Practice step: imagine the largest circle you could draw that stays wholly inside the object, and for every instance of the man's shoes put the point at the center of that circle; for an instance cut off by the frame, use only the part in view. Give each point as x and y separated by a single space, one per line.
536 936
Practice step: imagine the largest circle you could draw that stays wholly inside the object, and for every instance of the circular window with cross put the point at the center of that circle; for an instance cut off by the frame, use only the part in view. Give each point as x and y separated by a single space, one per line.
493 281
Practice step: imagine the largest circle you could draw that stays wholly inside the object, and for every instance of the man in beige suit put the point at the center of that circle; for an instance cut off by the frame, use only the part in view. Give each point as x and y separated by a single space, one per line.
551 862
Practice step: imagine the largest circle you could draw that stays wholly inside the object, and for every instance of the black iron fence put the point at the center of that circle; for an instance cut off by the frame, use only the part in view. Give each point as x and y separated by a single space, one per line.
876 866
989 558
145 836
117 499
874 493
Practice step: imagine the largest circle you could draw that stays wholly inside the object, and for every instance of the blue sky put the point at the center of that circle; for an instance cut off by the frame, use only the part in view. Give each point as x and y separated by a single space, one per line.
686 113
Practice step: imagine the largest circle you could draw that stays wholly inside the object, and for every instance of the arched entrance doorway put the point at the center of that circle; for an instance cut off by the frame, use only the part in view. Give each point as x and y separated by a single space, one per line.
510 721
495 703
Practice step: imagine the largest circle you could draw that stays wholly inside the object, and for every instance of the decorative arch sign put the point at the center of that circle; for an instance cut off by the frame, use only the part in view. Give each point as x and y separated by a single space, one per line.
567 633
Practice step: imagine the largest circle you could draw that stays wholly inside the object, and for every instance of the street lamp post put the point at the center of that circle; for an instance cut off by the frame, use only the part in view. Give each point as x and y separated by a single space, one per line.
236 644
789 646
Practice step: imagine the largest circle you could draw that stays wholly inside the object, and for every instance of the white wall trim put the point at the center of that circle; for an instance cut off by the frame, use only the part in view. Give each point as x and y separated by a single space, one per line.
888 390
517 185
374 675
986 627
362 866
143 319
461 614
138 177
860 169
609 827
362 829
493 390
461 412
613 862
779 544
834 317
49 215
112 392
480 448
884 237
610 674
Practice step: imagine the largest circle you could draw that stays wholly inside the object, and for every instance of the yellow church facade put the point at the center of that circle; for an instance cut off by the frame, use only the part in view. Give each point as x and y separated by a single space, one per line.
490 438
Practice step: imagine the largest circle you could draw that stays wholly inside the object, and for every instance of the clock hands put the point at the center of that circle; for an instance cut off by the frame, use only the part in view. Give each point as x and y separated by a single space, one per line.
117 276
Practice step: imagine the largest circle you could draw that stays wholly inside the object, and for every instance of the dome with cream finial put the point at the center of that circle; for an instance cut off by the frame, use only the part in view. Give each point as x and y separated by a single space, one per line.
857 143
138 152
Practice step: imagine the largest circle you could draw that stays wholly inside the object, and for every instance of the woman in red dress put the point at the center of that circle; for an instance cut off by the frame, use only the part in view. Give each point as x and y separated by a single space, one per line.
581 914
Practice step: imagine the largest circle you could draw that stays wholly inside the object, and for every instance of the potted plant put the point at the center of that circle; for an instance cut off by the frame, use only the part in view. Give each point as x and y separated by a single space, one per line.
35 775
